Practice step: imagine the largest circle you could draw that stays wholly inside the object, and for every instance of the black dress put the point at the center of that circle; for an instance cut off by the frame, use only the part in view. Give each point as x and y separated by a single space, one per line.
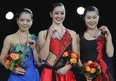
88 52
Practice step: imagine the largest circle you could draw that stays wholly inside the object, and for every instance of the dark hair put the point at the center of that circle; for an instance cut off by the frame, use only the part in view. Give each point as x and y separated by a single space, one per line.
55 5
26 10
90 8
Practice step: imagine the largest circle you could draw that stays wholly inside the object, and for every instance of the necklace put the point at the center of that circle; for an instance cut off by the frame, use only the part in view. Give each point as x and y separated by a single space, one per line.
21 39
92 34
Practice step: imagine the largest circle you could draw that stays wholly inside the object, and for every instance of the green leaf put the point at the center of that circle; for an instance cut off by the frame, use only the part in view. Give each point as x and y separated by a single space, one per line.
18 61
12 64
98 70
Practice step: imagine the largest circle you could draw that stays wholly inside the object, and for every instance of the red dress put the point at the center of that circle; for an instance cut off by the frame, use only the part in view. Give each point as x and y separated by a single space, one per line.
58 47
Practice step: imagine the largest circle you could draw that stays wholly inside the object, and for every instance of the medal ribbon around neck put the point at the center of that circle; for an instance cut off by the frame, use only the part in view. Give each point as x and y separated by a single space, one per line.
56 34
96 33
20 37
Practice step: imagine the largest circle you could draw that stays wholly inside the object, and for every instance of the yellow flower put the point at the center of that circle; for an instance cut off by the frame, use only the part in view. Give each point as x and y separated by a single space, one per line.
89 62
87 68
93 70
73 60
73 55
65 54
14 56
7 64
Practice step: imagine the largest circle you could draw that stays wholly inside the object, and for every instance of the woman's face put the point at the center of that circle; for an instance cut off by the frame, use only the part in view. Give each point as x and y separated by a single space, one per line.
91 19
24 21
58 14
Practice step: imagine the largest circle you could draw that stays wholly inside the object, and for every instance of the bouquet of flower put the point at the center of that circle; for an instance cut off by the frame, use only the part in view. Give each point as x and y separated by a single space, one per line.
12 60
91 69
18 55
71 57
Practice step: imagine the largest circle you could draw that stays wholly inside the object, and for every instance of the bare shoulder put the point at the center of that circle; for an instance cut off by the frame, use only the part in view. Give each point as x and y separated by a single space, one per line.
42 32
72 32
9 37
78 37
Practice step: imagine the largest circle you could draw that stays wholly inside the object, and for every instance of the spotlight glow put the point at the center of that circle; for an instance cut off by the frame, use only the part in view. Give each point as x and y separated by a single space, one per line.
80 10
9 15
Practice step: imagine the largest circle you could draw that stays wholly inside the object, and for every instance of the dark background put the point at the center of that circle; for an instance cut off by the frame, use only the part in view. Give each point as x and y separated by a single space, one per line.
42 19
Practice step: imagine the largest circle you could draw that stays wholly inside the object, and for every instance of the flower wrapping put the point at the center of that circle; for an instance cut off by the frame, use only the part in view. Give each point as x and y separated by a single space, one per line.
91 69
71 57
